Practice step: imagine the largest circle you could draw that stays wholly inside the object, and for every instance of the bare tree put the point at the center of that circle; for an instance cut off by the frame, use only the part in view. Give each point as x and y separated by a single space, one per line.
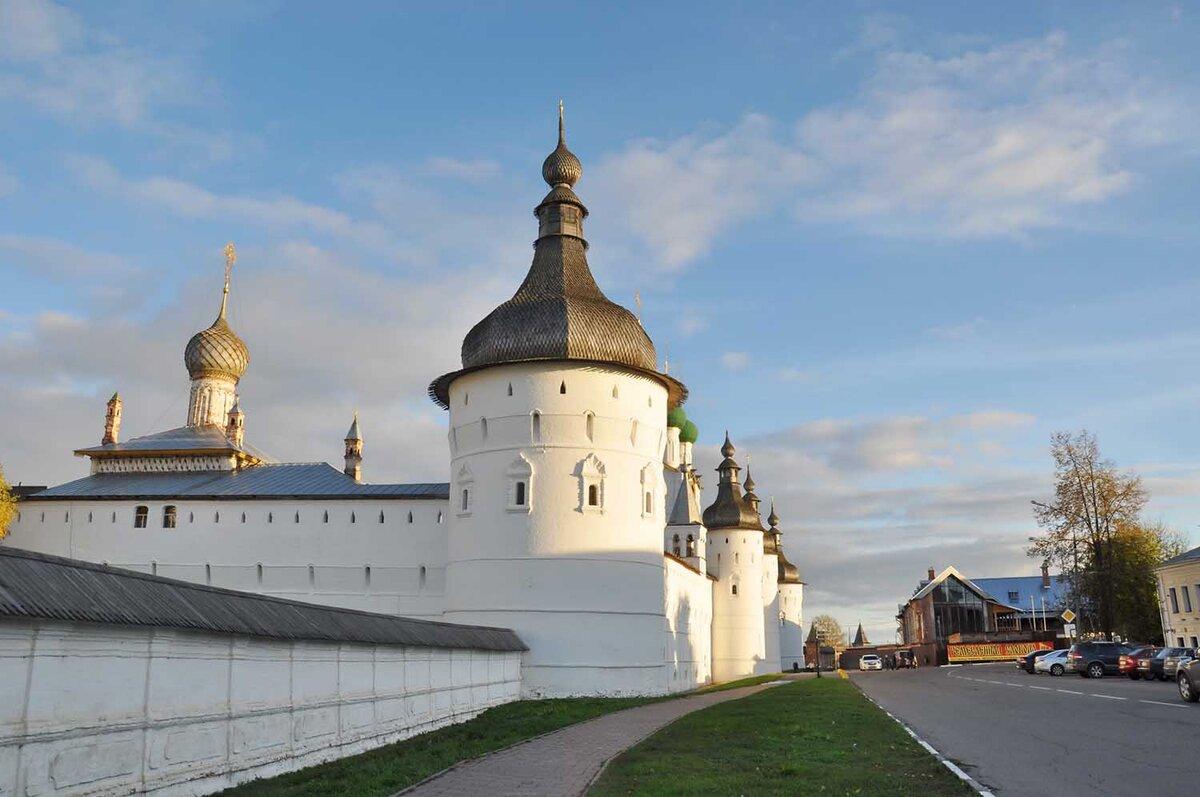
1092 503
829 631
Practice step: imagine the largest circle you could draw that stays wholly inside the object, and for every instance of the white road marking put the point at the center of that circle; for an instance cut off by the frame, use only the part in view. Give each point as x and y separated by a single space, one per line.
1160 703
1043 688
1108 697
1070 692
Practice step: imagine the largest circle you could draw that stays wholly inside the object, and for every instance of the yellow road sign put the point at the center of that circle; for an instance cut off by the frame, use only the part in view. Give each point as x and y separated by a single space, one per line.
1068 616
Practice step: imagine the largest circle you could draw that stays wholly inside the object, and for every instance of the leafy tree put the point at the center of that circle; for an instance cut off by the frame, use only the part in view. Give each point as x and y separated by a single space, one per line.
829 631
8 505
1138 549
1089 532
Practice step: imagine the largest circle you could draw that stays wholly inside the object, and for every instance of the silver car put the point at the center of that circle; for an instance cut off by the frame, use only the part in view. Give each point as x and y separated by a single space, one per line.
1054 663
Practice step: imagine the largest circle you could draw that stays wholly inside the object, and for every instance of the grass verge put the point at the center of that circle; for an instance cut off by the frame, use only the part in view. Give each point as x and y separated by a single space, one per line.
397 766
808 737
751 681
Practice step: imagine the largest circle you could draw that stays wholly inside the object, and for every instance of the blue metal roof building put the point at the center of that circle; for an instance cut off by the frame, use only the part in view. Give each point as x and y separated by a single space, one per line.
1026 593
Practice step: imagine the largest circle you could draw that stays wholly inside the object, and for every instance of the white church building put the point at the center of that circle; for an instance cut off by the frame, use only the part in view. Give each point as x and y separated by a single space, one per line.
572 513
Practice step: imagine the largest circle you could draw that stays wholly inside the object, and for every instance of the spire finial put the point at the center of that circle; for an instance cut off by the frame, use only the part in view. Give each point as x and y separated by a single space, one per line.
230 259
561 167
562 128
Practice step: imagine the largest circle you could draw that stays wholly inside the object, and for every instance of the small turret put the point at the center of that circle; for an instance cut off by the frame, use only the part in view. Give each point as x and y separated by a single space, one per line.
354 449
112 421
235 427
750 496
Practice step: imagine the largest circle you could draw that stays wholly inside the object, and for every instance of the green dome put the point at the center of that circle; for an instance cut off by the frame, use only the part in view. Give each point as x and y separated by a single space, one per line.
677 418
688 433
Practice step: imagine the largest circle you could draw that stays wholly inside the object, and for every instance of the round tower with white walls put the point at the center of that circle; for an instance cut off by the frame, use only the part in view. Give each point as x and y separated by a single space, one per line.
557 434
735 553
769 574
791 602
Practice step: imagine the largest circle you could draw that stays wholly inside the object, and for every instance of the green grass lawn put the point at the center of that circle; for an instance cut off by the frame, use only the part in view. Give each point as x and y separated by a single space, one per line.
751 681
808 737
389 769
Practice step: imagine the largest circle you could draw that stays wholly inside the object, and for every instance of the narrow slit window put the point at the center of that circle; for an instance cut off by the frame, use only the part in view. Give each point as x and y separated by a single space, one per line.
616 393
312 576
258 572
381 517
352 518
421 577
536 421
466 499
296 518
519 494
510 388
591 427
208 574
243 517
367 574
735 589
410 518
270 517
483 427
593 495
562 389
325 517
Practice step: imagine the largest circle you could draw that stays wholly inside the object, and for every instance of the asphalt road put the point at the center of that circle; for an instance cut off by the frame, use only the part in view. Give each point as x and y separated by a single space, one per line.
1021 734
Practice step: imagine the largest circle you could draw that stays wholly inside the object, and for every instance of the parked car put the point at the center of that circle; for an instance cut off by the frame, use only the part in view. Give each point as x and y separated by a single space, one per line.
1188 681
1172 663
1026 662
1128 664
1054 662
1155 667
870 661
1096 658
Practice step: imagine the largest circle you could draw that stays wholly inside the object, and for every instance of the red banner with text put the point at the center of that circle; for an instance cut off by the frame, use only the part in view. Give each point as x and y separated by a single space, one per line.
993 651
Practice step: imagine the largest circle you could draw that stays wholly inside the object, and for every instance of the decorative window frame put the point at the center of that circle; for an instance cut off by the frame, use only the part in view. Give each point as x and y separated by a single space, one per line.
650 481
464 482
591 473
520 470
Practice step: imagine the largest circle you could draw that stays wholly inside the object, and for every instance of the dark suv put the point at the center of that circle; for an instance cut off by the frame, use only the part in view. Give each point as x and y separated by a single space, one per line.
1097 658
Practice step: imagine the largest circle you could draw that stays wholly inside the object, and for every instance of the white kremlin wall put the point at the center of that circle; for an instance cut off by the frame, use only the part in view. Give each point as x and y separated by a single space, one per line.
582 585
347 558
791 627
738 646
99 708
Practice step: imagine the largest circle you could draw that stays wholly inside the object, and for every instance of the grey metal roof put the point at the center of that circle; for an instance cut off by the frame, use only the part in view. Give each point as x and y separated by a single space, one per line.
36 585
281 480
1186 556
182 438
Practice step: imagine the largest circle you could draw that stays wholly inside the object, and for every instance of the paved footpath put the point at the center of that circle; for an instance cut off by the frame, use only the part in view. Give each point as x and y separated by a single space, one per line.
565 761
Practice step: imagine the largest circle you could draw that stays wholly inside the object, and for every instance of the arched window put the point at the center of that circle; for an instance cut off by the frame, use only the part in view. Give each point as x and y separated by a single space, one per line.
675 545
258 572
535 422
691 545
520 479
464 481
168 517
367 575
591 473
208 574
421 578
649 502
483 427
519 494
140 514
734 588
312 576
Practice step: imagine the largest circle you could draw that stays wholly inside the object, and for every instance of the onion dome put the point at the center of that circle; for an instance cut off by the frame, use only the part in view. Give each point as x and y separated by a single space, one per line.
689 432
561 167
730 510
788 572
676 418
217 351
559 312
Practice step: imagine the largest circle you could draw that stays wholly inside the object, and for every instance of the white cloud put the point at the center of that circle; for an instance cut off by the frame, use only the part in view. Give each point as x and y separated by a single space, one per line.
995 140
470 170
52 61
735 360
678 196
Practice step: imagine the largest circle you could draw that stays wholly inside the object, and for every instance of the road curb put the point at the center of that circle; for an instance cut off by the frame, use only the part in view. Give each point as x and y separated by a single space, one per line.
950 765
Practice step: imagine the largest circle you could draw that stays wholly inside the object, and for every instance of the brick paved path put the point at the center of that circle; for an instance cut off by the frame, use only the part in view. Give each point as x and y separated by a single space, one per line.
565 761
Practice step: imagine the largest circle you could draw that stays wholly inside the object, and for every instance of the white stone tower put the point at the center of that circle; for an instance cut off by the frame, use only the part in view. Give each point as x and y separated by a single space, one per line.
791 603
770 587
112 421
215 358
354 451
735 553
557 434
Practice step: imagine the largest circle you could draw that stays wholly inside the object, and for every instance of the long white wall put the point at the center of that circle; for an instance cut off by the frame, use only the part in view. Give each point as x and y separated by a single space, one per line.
581 584
377 555
739 645
93 708
688 598
791 629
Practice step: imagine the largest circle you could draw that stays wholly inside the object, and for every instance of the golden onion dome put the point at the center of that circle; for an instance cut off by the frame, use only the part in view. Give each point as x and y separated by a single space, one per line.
561 167
216 351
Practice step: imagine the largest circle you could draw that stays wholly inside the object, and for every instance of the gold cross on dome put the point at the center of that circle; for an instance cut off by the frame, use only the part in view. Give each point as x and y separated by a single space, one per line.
230 259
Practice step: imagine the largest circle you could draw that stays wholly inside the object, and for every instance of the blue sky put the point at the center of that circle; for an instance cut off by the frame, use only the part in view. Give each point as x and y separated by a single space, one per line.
891 252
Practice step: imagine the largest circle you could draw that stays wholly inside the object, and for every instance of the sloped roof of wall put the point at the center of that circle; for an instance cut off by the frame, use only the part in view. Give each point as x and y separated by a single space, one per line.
1186 556
281 480
40 586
